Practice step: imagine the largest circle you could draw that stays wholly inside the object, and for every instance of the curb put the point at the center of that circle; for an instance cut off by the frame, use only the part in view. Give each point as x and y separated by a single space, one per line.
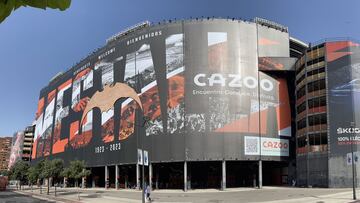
46 197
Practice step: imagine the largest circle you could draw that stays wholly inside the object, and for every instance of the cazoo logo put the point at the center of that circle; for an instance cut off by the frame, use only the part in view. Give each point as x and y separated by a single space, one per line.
231 80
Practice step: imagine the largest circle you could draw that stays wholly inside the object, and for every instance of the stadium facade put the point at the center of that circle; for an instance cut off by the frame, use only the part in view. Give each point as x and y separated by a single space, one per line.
327 93
214 102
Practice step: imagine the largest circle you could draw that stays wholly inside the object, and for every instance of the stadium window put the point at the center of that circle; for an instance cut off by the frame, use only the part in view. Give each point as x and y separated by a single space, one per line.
316 120
301 107
301 92
301 142
300 69
311 120
316 102
310 87
311 139
300 79
311 103
323 101
323 138
317 139
301 124
322 84
316 85
323 119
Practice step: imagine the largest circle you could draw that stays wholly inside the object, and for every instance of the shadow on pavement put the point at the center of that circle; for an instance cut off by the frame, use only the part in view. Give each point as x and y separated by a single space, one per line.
12 197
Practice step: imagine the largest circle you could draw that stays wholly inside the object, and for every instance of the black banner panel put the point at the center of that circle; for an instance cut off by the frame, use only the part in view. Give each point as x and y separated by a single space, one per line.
343 73
187 90
277 63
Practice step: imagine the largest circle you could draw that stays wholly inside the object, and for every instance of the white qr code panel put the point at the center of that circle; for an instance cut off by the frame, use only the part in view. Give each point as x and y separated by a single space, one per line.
252 146
265 146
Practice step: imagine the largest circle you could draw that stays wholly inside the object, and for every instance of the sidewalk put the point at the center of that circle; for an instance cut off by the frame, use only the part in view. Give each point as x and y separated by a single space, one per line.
332 198
265 195
49 198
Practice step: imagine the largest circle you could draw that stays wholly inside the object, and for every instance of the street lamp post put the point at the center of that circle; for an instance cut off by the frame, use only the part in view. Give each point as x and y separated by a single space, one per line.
146 119
143 166
353 164
142 125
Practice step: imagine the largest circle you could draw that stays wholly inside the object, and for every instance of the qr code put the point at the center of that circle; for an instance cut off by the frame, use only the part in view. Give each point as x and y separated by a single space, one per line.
251 145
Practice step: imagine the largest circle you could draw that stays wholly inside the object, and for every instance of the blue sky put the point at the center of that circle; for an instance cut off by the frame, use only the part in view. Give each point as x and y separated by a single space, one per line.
36 44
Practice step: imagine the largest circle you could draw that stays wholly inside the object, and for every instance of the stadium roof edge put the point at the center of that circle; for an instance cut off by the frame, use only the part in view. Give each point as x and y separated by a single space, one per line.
298 41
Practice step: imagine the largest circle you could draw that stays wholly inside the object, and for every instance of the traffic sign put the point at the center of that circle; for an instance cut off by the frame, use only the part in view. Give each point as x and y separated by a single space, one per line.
140 157
146 158
349 158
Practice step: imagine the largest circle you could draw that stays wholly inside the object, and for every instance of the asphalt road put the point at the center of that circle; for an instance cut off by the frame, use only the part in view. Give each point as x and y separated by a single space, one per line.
12 197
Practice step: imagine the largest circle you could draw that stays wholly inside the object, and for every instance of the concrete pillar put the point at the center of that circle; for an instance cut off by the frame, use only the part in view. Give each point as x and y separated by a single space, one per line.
93 183
223 181
189 180
137 176
150 176
185 176
117 177
47 181
65 182
106 177
83 182
157 179
260 174
126 180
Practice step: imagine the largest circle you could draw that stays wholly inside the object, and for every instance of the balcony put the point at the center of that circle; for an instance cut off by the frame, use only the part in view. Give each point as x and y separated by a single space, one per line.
315 77
312 149
311 129
301 132
301 84
26 155
302 72
317 128
316 66
300 100
300 62
320 109
316 53
301 115
317 93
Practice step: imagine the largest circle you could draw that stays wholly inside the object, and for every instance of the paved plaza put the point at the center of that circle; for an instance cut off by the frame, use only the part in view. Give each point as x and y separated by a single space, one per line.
267 194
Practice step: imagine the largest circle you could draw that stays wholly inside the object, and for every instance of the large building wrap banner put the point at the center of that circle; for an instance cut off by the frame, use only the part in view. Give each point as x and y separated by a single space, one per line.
183 91
343 72
16 148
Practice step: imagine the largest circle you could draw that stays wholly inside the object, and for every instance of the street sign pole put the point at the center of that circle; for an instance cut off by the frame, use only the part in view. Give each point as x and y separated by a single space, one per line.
352 124
143 178
353 170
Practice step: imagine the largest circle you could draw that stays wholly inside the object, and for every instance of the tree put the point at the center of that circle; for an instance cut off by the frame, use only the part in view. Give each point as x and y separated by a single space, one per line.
76 170
34 172
7 6
4 173
33 175
46 172
66 173
19 171
51 169
57 168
